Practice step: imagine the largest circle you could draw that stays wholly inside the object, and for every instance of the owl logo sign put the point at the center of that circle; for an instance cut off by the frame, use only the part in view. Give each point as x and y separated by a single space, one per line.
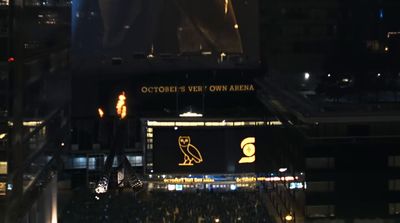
190 152
249 150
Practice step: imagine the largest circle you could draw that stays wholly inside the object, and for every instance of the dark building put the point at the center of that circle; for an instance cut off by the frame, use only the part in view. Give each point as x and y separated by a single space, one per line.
312 131
33 112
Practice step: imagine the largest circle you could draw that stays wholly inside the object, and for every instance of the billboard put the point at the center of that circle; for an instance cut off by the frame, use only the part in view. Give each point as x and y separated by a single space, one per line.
176 33
212 149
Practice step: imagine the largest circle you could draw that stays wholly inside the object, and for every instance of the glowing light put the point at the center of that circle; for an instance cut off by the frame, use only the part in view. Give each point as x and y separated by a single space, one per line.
3 135
190 152
249 150
386 49
222 56
11 59
329 75
345 80
282 169
101 112
307 75
289 217
62 144
378 75
191 114
389 34
216 220
28 123
226 6
236 26
3 167
121 106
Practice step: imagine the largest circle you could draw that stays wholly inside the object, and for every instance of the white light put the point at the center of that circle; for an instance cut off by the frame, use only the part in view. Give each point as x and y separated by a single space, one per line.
378 75
163 176
345 80
150 176
176 128
329 75
62 144
191 114
216 220
306 76
97 197
289 217
3 135
171 187
233 186
282 169
206 53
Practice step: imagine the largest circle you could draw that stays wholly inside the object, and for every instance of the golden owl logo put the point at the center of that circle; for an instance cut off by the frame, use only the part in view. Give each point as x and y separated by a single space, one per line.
249 150
190 152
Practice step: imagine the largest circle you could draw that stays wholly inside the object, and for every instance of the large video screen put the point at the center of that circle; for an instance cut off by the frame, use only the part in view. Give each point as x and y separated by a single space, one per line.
178 32
213 149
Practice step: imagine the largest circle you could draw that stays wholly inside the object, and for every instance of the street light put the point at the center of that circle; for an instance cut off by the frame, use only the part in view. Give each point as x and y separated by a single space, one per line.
306 76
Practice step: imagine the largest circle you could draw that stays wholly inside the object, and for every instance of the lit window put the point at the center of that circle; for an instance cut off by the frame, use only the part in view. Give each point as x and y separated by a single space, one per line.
3 167
135 160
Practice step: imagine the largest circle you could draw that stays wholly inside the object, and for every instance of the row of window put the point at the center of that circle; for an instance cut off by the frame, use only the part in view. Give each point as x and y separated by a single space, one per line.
324 211
97 162
329 162
329 186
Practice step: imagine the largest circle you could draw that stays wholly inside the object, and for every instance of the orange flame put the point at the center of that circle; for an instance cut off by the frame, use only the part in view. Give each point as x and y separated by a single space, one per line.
121 106
101 112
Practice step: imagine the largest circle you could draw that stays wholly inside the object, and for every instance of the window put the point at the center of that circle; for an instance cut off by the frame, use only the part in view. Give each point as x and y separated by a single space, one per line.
320 163
394 185
394 208
320 211
135 160
3 167
394 161
321 186
79 162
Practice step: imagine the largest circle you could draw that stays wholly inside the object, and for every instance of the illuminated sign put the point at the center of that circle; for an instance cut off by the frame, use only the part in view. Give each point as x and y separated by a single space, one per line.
3 188
188 180
197 88
3 167
190 152
205 149
249 150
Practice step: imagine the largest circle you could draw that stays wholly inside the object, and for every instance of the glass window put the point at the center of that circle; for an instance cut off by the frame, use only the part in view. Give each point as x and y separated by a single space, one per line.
135 160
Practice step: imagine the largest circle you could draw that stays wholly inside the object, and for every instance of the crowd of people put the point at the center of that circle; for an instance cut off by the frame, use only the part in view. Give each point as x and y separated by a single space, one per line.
165 207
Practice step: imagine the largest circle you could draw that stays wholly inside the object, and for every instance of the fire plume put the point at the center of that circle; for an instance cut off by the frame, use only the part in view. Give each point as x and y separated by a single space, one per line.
101 112
121 106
